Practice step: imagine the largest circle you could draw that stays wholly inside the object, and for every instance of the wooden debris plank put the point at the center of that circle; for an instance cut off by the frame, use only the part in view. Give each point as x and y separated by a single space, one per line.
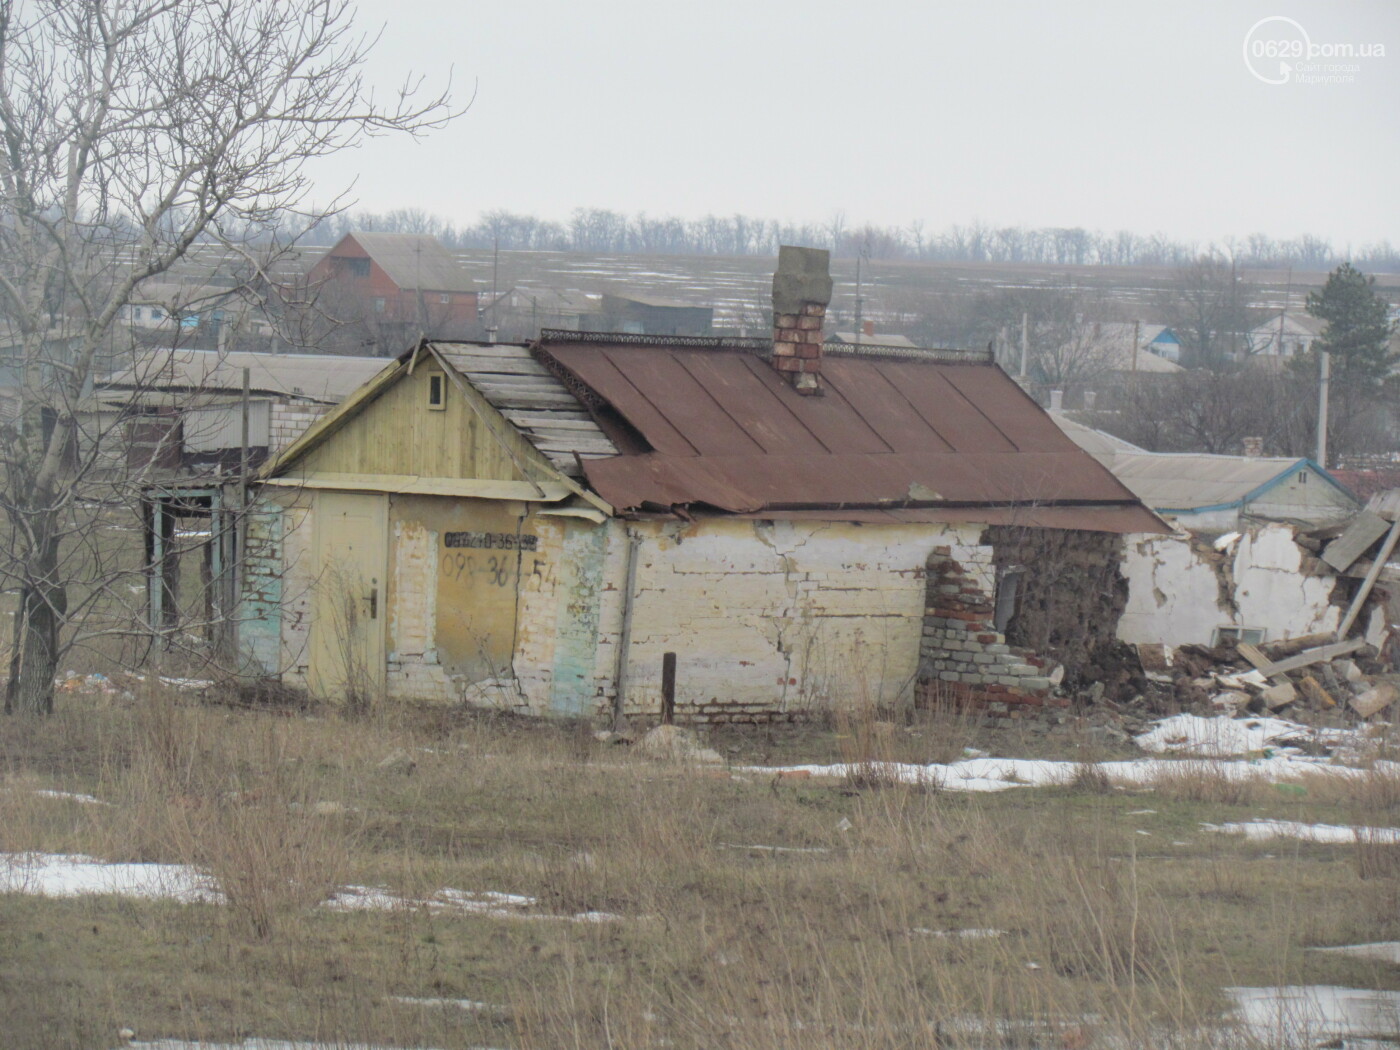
1387 548
1366 528
1308 657
1280 695
1314 691
1386 504
1253 655
1289 646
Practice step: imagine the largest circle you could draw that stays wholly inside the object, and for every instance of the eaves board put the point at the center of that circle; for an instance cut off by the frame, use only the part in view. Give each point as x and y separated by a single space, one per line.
410 485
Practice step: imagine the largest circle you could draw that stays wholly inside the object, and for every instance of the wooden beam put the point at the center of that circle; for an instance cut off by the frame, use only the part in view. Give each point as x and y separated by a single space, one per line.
1322 654
1387 548
1366 528
1253 655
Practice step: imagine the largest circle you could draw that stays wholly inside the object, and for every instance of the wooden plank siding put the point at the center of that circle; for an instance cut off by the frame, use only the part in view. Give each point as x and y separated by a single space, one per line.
399 434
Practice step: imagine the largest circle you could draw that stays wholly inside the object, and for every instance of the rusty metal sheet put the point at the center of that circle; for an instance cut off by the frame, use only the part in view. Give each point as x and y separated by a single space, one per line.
960 422
698 413
728 432
1018 417
742 483
829 419
874 399
1114 518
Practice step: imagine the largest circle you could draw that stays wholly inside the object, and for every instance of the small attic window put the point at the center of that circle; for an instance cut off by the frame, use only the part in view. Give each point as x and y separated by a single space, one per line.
1302 477
437 391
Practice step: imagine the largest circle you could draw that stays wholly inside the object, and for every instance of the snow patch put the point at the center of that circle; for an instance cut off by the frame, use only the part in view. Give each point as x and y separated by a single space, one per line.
1304 1016
71 875
1381 951
74 875
1259 830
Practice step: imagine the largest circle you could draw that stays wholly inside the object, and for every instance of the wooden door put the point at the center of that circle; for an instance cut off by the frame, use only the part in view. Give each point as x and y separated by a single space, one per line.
348 606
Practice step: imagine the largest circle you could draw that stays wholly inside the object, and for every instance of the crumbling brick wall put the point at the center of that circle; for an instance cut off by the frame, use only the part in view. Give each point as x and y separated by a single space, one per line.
1070 598
963 656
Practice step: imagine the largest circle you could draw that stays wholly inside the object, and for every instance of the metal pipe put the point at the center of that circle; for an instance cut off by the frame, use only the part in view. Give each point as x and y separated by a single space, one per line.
1025 342
1324 382
624 643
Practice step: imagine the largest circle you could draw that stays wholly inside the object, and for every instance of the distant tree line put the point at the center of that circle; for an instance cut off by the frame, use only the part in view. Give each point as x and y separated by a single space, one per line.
604 230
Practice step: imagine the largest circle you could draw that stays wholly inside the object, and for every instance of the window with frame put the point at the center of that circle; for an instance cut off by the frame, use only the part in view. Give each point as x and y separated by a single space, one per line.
437 391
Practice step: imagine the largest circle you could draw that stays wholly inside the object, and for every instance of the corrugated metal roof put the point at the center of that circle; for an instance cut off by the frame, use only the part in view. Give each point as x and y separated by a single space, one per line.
727 431
416 261
326 378
1183 481
1100 444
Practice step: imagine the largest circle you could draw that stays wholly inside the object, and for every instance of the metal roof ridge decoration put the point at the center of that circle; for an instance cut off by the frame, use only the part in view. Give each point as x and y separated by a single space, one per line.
752 344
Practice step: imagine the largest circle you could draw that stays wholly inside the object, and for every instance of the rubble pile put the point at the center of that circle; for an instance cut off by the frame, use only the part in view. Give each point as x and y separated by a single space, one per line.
1314 675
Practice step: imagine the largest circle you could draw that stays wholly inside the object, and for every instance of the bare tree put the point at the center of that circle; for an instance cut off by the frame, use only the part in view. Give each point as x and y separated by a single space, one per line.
134 130
1210 306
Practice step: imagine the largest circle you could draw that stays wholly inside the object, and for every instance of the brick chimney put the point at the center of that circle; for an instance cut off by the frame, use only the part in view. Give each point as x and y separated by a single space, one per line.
1253 447
801 291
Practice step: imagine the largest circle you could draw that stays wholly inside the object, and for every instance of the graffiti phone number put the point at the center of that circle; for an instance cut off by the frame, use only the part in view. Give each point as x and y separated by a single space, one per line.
491 541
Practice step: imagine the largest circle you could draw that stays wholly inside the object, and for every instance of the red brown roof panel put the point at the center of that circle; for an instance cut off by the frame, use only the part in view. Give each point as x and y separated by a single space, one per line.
898 436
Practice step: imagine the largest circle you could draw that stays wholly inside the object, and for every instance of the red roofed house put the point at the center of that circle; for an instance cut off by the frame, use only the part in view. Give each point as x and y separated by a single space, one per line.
539 526
404 278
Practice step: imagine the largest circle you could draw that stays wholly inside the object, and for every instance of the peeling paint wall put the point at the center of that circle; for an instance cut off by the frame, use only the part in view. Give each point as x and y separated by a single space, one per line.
259 613
771 618
1179 592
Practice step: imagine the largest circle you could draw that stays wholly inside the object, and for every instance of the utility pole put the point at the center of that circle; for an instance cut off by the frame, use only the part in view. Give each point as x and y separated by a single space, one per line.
1324 381
1287 295
1137 338
859 301
1025 341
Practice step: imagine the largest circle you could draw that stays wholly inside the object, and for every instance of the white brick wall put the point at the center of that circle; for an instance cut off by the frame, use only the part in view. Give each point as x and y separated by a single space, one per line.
290 420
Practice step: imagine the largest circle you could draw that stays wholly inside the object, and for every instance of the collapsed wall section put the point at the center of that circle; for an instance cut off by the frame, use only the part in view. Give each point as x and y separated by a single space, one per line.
1182 588
1070 593
963 656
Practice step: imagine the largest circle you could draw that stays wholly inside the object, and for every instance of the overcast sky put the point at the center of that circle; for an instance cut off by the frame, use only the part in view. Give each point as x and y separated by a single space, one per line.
1105 115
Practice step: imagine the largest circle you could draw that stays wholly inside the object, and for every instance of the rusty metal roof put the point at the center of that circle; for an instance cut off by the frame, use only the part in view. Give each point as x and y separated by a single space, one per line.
720 428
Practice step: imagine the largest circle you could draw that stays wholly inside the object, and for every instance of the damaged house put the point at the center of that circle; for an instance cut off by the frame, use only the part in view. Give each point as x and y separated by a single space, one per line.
1243 562
782 524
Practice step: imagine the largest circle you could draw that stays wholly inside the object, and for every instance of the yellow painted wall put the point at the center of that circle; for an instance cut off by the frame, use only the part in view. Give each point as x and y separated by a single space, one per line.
397 433
462 571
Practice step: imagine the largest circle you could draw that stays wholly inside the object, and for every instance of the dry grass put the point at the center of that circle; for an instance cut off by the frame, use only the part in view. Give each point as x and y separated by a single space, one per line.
752 912
1207 781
